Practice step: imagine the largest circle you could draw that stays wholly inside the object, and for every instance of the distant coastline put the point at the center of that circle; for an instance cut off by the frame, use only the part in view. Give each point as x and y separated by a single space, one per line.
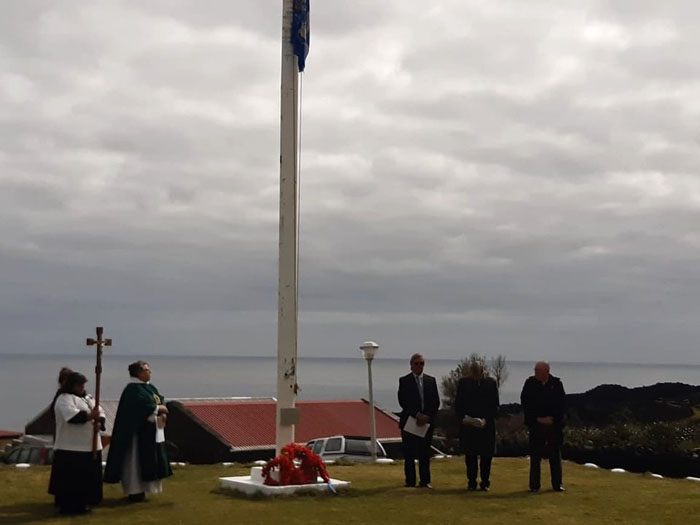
332 358
320 378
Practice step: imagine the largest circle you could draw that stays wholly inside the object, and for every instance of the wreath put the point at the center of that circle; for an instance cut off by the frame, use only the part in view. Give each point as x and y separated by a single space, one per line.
297 465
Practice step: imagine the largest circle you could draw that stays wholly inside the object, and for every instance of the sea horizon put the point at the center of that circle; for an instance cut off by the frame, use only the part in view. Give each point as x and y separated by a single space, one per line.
28 380
338 358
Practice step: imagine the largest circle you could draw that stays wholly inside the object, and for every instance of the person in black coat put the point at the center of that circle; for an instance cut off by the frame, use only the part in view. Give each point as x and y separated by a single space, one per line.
419 399
544 403
476 405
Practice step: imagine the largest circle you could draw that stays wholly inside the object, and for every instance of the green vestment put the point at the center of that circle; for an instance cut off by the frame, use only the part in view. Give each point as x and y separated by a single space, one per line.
138 401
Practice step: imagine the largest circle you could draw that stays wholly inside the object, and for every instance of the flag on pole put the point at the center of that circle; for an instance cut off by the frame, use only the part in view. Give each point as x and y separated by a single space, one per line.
301 33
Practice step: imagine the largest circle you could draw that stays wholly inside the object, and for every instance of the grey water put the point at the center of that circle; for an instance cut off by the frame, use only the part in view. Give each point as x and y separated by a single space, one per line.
28 382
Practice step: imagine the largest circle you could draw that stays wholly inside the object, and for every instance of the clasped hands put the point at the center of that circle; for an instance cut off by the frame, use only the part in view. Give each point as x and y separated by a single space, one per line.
478 422
422 419
162 416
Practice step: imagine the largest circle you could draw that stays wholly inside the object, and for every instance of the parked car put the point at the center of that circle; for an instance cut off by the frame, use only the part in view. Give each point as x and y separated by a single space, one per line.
26 453
353 448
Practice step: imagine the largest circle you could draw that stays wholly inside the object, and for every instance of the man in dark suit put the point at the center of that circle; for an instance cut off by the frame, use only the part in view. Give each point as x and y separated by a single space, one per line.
544 403
418 398
476 405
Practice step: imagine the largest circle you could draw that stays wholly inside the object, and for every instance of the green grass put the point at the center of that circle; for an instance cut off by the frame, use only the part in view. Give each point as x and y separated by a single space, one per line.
377 495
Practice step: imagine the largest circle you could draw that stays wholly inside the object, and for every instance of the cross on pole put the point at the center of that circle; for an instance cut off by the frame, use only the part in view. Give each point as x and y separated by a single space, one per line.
99 342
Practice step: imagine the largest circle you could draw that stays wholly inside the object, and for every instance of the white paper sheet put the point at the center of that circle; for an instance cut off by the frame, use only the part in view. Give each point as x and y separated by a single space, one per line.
412 427
160 429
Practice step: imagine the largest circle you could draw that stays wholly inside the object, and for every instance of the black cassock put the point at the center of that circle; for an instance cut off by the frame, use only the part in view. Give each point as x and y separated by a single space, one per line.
76 479
76 476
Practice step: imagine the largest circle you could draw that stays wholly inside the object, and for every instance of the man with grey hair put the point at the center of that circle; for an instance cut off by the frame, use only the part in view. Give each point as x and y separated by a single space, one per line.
419 401
544 402
476 405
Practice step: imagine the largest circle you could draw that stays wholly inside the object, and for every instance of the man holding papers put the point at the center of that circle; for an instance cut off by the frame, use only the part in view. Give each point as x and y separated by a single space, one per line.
419 401
476 405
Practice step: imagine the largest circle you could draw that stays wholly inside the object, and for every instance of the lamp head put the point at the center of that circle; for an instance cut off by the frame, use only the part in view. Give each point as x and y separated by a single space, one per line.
369 348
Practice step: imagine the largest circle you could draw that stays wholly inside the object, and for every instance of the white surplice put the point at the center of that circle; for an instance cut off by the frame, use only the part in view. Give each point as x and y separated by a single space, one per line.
69 436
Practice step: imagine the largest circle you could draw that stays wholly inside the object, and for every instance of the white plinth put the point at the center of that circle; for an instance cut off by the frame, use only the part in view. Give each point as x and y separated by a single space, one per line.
253 484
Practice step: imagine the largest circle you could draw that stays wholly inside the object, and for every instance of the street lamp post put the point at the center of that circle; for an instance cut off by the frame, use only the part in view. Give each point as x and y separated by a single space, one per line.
369 348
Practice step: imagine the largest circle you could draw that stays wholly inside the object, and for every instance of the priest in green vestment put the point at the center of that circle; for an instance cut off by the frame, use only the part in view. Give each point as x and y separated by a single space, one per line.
137 455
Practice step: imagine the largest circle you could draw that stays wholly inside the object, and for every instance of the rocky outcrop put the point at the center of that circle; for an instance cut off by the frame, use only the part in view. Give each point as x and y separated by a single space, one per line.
608 404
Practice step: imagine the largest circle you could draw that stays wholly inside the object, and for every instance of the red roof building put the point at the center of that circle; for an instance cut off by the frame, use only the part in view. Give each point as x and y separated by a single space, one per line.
210 431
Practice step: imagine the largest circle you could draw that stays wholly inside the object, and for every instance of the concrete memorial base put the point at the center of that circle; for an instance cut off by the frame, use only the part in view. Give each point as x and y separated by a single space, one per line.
253 484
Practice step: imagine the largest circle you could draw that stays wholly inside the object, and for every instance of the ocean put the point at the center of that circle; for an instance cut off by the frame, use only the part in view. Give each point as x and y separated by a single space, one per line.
28 382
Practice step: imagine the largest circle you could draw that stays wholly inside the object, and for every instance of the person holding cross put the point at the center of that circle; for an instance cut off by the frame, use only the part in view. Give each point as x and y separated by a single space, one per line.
62 375
137 455
76 472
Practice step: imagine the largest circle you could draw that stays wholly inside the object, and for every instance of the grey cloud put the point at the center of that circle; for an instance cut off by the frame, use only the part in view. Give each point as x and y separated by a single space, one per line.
511 177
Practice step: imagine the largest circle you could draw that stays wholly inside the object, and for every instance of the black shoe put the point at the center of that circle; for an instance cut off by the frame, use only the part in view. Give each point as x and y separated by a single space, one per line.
137 498
409 485
532 489
559 489
471 487
425 486
485 488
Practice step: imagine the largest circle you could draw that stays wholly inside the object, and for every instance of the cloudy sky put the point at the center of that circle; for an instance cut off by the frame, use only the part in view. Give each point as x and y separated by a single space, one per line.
496 176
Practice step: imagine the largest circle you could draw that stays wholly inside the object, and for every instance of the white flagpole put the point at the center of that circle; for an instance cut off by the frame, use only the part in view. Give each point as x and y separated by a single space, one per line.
287 414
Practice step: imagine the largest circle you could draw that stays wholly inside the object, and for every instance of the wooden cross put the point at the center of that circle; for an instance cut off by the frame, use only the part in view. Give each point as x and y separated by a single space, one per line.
99 342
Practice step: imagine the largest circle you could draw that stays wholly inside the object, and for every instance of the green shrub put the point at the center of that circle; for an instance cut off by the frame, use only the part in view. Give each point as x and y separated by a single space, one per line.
644 438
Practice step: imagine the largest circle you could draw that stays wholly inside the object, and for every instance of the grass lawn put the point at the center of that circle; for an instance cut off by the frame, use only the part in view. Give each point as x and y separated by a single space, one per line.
377 496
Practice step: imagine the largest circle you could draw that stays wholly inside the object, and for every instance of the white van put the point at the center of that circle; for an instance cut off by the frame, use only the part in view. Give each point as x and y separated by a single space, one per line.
353 448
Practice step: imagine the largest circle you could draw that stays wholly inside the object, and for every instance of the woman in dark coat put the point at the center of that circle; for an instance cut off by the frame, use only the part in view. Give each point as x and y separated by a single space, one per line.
476 405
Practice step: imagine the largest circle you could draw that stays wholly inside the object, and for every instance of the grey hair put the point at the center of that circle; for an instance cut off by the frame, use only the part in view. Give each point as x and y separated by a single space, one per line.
414 357
476 370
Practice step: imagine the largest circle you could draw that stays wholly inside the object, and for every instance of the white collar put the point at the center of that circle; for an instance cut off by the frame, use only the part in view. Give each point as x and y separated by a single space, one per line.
418 376
137 380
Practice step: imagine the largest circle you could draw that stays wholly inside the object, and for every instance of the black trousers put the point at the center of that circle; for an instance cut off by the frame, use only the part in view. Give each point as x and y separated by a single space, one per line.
415 447
76 480
475 462
545 442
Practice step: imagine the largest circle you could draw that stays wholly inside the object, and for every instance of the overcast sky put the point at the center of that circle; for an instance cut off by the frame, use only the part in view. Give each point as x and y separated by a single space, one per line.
495 176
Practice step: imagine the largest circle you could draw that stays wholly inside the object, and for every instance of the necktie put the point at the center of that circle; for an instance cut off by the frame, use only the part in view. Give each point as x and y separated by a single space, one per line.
419 383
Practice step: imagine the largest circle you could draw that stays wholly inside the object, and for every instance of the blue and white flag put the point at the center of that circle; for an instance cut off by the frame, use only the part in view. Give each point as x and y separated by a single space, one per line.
301 33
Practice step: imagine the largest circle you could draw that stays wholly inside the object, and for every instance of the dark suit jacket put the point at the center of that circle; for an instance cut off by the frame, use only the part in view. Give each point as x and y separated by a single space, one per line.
540 400
409 398
477 399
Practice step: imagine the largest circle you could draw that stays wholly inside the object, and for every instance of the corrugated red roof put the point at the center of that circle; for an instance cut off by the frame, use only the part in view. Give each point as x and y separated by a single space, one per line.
252 424
9 434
